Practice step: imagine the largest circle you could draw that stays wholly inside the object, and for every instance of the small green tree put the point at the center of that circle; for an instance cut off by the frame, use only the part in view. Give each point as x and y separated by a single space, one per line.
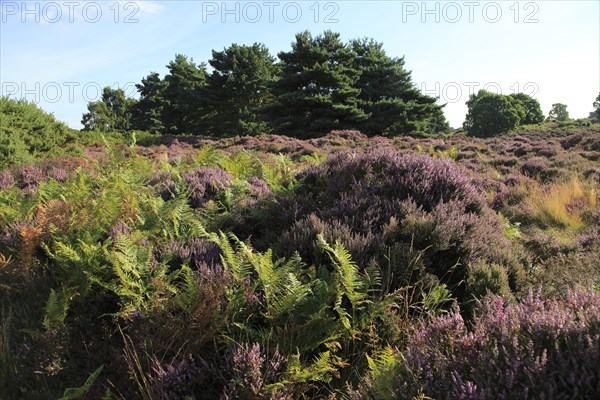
491 114
558 112
112 112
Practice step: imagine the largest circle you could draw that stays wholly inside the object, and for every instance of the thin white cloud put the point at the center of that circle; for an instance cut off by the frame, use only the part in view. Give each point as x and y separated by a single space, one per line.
149 7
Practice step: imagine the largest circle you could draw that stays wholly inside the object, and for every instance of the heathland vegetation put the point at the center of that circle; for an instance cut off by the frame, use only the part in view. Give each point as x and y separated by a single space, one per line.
308 228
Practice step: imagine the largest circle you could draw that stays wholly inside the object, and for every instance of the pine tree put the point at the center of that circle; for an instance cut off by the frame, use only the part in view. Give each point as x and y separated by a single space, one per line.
237 88
316 92
147 113
388 95
183 96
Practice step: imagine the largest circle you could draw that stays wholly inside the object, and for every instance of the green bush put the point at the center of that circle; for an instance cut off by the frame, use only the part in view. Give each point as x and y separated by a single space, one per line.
27 133
483 278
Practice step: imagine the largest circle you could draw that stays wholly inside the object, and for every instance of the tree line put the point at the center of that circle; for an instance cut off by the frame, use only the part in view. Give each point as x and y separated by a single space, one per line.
319 85
491 114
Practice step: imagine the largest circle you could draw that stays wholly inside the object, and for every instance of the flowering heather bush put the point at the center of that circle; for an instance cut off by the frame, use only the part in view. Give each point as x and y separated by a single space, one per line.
517 180
253 374
356 136
6 180
571 141
172 381
164 185
258 187
426 180
10 236
543 247
593 175
590 238
195 251
563 272
508 197
29 177
533 350
274 144
117 230
534 167
545 151
205 183
383 200
178 151
591 143
58 174
521 150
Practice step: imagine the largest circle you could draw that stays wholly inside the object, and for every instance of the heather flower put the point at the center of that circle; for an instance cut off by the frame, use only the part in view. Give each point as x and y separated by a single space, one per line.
521 150
204 184
533 350
252 371
543 151
29 177
174 380
517 180
10 236
593 175
588 239
571 141
6 180
164 185
353 135
259 187
437 209
119 229
57 174
195 251
534 167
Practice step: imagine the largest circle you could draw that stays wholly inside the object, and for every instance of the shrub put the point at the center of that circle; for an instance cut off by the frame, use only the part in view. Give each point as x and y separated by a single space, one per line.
383 203
535 167
536 349
483 278
254 374
28 133
164 185
571 141
6 180
205 183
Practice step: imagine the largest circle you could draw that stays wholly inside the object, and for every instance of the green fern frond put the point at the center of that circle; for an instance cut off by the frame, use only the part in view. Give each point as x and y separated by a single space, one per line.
286 302
322 369
315 158
347 270
383 370
57 307
81 392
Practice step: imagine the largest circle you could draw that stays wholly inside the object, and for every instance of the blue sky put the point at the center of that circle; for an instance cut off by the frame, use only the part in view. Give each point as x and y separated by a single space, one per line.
60 53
